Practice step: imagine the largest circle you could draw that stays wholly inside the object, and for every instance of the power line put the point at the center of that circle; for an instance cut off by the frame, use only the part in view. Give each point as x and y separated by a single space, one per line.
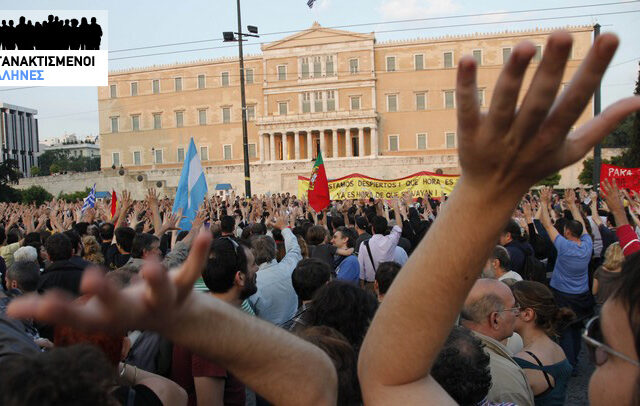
392 22
388 31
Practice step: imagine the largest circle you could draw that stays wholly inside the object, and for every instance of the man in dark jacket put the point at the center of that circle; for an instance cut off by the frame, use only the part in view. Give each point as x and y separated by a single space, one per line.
519 249
63 273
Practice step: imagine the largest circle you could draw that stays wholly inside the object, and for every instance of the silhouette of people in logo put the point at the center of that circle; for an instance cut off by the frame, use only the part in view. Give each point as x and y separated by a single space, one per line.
51 34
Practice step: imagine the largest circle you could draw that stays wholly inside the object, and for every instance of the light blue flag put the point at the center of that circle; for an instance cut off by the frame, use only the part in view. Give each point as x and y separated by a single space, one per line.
90 200
192 188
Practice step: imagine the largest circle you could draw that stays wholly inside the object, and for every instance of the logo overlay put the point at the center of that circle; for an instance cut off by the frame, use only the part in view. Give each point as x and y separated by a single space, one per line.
60 48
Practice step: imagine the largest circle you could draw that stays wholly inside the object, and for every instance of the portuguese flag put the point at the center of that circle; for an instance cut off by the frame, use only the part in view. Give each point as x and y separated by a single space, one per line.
318 186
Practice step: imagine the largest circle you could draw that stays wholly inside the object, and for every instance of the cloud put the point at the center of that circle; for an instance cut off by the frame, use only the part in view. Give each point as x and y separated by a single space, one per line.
406 9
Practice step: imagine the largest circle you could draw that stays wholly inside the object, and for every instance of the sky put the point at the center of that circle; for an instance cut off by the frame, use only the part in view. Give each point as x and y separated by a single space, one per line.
145 23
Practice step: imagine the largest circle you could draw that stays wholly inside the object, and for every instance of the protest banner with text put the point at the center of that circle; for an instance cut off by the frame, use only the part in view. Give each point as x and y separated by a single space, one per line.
626 178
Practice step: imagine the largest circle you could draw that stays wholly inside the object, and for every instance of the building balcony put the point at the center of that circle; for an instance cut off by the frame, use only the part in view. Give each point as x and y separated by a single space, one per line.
315 117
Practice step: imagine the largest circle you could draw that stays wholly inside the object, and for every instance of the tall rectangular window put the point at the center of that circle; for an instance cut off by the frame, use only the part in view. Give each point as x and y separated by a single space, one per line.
418 62
158 156
331 100
391 63
202 117
251 113
135 123
114 91
317 102
304 68
114 124
155 84
227 152
477 55
480 97
115 158
204 154
201 82
538 55
329 65
353 66
506 54
252 151
451 140
449 99
134 88
179 119
224 79
317 66
178 84
226 114
180 154
137 158
392 102
355 102
422 141
248 76
282 72
282 108
421 101
393 143
448 59
306 102
157 121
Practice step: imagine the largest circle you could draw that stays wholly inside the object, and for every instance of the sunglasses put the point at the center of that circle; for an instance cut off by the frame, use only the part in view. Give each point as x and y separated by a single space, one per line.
599 351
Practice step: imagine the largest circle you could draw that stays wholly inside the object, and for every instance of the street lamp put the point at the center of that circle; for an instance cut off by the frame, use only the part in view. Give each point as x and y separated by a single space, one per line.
229 36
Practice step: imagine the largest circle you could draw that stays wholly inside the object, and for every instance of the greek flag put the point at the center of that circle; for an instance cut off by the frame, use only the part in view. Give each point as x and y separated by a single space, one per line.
192 188
310 3
90 200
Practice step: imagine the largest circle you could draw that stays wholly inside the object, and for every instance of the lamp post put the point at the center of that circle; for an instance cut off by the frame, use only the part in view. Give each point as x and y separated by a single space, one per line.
230 37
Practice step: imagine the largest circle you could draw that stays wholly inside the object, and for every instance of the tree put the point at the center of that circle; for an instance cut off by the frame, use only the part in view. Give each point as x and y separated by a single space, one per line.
74 196
631 157
35 171
36 194
54 168
586 176
550 180
9 173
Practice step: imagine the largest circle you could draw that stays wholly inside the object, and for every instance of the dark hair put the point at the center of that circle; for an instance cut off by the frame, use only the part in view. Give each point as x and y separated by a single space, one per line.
75 239
13 236
513 228
462 368
227 224
264 248
226 258
106 231
350 234
141 243
316 235
386 273
575 227
310 275
344 359
502 255
536 296
73 376
58 247
81 228
26 274
362 223
124 237
380 225
344 307
3 235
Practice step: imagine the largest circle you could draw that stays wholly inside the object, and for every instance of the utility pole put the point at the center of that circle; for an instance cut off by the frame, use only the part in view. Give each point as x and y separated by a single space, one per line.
597 150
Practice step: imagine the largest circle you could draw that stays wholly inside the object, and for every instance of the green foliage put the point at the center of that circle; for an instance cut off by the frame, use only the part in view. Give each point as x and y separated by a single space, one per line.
586 176
9 173
36 194
35 171
74 196
60 161
550 180
9 194
54 168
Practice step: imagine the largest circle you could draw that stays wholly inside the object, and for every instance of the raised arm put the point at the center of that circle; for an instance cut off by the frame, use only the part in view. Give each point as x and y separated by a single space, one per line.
420 308
570 197
545 219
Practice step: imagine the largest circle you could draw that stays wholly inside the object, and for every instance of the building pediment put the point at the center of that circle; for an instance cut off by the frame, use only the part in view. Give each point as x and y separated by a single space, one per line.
317 35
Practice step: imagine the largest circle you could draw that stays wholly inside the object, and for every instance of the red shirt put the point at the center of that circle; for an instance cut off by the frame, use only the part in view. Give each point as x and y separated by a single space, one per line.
628 239
186 366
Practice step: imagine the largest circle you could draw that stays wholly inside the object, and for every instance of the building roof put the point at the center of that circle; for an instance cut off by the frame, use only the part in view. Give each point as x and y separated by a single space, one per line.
223 186
18 108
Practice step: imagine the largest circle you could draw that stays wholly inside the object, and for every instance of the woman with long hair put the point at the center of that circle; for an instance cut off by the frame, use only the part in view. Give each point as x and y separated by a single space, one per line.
607 274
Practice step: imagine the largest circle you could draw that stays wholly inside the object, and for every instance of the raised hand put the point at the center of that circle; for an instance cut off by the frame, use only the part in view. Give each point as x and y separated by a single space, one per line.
611 195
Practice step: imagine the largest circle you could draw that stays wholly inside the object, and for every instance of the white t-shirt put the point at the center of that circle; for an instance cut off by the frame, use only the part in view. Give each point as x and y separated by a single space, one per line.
511 275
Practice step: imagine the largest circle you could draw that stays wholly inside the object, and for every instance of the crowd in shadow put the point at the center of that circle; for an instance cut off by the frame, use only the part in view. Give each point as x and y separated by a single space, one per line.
52 34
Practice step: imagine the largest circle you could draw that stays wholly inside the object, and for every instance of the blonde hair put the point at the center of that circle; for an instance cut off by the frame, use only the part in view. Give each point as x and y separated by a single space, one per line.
92 251
613 257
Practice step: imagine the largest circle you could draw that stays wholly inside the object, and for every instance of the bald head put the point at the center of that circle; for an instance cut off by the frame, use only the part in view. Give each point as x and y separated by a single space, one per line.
484 309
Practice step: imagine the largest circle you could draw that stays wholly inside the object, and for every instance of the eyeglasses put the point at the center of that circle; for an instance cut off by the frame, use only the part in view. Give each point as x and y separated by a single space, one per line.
599 351
514 310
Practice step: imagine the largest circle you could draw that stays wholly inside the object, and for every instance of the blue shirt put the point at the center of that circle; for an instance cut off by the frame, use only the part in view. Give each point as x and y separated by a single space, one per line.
348 270
571 273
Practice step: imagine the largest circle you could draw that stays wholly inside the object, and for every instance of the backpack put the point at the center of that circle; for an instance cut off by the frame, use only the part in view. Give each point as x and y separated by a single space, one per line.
534 269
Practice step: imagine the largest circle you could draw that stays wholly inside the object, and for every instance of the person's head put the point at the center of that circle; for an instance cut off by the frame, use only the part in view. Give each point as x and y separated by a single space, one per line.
14 235
91 249
146 246
616 379
380 225
59 247
538 309
310 275
27 254
106 232
264 249
497 264
124 238
344 237
81 228
93 20
76 241
362 225
227 225
23 275
490 309
385 275
231 266
613 257
572 229
344 307
316 235
344 358
462 368
511 232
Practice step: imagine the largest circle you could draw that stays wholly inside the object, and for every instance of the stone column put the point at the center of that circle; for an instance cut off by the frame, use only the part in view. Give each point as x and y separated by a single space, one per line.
296 144
309 145
272 147
374 141
262 148
334 135
322 144
360 142
284 146
347 140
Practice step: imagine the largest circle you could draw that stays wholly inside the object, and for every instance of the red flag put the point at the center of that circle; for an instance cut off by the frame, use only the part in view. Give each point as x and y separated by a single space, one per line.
114 201
318 193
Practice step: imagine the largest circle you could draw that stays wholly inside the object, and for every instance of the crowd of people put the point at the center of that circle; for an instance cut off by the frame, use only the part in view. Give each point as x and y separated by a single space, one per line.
486 297
53 33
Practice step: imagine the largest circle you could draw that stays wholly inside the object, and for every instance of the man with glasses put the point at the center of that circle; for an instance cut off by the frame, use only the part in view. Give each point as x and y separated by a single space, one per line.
490 311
